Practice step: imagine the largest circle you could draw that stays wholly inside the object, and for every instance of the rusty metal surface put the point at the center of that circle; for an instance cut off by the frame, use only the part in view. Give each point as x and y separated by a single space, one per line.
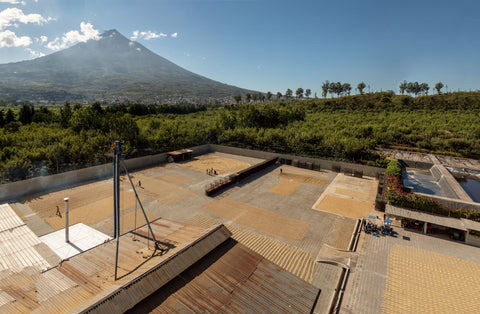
87 278
232 278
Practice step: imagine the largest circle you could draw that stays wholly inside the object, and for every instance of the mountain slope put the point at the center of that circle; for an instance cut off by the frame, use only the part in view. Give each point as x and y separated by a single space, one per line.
110 67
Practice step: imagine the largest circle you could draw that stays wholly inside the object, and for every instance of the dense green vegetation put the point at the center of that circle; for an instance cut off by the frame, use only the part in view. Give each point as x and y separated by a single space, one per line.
41 140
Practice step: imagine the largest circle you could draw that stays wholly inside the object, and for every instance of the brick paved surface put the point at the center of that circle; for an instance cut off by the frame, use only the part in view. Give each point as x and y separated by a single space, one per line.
366 286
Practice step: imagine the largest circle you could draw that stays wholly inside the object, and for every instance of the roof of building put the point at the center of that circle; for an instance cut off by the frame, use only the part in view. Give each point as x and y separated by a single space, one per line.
233 278
180 152
86 281
20 248
471 225
81 238
426 217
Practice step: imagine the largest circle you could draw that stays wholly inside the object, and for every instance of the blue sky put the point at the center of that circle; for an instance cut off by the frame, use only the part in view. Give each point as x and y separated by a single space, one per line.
269 45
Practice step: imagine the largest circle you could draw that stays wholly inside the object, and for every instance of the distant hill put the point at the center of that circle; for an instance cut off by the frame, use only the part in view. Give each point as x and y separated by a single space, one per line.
112 67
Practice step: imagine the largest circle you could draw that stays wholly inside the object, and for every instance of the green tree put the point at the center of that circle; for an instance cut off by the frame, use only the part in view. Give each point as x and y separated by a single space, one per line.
237 98
25 115
2 118
97 108
361 86
248 97
124 127
346 88
308 92
16 168
337 88
65 115
255 97
269 96
10 116
424 88
86 119
403 87
43 115
57 154
414 88
288 93
439 87
299 93
325 88
279 95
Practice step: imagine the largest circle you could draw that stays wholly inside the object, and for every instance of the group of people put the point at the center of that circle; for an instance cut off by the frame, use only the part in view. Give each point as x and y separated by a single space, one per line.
211 172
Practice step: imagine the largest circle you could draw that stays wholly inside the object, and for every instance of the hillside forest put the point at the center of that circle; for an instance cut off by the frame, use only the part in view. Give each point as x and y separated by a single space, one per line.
46 140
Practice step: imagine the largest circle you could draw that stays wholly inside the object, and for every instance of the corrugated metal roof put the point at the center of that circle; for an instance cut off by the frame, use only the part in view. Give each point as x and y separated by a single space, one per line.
18 250
232 278
300 263
86 281
8 218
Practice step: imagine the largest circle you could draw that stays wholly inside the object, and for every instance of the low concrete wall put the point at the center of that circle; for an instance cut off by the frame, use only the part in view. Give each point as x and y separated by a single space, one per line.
201 150
303 162
436 173
15 190
447 189
416 164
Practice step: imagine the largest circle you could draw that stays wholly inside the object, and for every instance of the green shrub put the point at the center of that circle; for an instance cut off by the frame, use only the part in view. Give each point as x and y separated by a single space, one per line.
394 169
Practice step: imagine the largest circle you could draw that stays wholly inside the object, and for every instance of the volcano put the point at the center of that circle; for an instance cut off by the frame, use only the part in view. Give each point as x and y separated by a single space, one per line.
112 67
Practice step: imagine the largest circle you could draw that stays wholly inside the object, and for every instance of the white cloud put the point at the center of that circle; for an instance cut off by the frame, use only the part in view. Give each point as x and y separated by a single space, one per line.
14 2
9 16
86 33
146 35
174 35
35 54
10 39
42 39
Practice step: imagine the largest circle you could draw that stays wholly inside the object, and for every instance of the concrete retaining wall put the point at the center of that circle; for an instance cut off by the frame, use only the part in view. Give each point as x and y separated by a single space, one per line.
416 164
436 173
447 189
303 162
15 190
442 182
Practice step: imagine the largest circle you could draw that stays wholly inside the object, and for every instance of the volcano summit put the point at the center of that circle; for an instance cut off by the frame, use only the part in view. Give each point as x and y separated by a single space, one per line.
108 69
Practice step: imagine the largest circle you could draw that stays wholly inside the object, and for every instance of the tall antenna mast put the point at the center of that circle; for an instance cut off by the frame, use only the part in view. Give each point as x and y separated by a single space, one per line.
117 153
117 158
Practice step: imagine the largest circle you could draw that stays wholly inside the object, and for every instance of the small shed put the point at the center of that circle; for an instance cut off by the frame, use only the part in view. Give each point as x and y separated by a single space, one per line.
180 155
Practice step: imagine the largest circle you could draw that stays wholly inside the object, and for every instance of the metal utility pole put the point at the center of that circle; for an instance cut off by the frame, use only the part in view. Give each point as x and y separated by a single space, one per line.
67 239
117 158
117 153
